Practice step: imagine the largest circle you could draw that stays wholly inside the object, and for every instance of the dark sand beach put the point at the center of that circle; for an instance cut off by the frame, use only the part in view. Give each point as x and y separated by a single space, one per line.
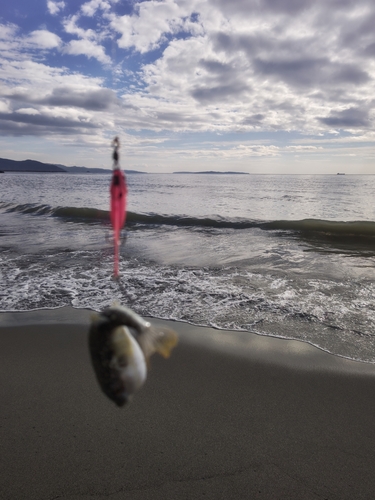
228 416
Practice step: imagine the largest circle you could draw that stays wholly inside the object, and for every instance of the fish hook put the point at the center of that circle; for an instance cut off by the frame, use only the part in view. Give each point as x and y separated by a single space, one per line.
116 154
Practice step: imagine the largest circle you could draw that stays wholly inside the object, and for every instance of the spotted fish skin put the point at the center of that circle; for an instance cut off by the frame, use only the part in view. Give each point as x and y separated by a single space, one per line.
120 344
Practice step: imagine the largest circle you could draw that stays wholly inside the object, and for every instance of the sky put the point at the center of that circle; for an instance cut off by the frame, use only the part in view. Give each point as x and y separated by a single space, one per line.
259 86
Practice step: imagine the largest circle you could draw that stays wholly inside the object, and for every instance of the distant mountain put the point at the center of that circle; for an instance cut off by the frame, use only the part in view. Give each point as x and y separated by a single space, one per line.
37 166
213 172
28 166
84 170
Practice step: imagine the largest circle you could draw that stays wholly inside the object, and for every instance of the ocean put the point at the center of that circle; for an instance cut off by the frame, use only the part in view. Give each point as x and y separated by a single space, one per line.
290 256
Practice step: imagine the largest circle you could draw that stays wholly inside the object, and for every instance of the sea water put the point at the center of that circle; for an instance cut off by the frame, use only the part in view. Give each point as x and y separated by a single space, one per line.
291 256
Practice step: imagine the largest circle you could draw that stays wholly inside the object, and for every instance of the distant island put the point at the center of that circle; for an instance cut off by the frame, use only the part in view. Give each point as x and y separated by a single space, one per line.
28 166
213 172
34 166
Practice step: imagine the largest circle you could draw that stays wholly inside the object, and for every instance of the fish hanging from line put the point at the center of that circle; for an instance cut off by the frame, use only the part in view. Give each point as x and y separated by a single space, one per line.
118 192
121 343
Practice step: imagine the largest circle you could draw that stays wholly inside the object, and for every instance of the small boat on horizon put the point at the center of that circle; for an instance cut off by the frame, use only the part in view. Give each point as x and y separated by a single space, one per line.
340 173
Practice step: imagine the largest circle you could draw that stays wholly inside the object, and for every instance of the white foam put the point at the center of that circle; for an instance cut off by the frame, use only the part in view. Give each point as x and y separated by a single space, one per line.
336 316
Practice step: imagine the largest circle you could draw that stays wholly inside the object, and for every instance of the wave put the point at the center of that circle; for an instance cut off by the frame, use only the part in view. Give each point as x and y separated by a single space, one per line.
334 228
364 229
309 228
79 214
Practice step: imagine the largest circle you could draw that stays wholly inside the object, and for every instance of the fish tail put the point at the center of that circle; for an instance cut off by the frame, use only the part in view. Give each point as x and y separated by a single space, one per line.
160 340
167 339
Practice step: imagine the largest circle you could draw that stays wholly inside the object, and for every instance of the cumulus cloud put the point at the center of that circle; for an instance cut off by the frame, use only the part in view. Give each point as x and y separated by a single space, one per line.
43 124
89 41
152 22
289 7
28 111
55 7
276 74
7 32
4 106
94 100
347 119
39 99
90 8
87 48
44 39
219 93
207 66
310 72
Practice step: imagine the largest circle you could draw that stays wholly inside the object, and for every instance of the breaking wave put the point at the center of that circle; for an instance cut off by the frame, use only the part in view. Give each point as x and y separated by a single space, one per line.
343 230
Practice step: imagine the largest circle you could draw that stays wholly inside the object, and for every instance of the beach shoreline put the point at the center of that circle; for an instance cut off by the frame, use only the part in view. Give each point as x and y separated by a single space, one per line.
229 415
263 348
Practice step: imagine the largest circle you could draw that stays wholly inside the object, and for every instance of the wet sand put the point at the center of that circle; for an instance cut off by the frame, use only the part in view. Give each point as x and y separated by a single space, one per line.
228 416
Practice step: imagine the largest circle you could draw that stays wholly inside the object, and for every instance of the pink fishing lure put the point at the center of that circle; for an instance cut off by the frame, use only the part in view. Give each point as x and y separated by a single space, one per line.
118 207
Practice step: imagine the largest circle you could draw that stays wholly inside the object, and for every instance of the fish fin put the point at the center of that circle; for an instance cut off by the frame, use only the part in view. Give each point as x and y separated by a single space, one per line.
161 340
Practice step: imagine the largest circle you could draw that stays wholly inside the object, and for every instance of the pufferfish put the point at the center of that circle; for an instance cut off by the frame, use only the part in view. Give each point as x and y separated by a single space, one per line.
121 343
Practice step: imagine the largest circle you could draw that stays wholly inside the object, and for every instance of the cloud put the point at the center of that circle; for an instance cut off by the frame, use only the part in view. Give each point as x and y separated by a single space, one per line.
87 48
28 111
347 119
93 100
152 22
311 72
219 93
43 124
44 39
89 41
90 8
196 66
298 149
4 106
8 31
369 50
254 120
71 26
38 99
239 7
55 7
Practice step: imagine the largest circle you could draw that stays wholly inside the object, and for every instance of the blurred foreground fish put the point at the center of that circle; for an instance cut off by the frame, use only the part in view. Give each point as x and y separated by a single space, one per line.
121 343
